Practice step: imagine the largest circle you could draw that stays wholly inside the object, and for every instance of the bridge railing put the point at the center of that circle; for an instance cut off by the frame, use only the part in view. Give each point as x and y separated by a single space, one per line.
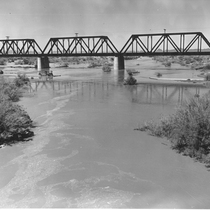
80 46
190 43
19 47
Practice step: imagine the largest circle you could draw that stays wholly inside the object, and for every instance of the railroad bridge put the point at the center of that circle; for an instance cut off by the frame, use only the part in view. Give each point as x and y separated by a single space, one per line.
159 44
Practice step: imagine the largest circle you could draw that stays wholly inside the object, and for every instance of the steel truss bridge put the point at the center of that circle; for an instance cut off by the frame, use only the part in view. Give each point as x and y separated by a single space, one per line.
160 44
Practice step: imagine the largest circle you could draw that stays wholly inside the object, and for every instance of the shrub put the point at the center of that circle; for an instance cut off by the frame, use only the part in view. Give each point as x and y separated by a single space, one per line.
3 61
15 123
65 64
106 68
21 80
167 64
94 64
207 66
9 91
188 128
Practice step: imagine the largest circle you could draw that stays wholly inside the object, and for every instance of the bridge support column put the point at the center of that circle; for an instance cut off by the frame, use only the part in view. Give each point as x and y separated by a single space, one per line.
119 62
42 63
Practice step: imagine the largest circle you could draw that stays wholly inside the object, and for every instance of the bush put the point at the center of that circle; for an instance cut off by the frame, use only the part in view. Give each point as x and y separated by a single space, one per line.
188 128
15 123
167 64
9 91
106 68
21 80
207 66
2 61
94 64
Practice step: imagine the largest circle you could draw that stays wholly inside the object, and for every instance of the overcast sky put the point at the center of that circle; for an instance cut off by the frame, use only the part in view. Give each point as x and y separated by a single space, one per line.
118 19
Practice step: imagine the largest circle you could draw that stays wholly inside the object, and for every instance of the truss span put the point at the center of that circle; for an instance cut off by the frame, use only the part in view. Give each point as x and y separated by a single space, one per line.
191 43
80 46
19 47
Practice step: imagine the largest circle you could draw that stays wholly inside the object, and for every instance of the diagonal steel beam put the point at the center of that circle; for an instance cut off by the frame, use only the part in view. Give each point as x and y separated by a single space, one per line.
173 44
141 43
157 45
95 45
101 45
191 43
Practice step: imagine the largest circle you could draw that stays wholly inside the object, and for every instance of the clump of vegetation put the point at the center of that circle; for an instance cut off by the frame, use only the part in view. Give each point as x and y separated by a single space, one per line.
188 128
207 66
159 74
21 80
131 57
25 61
167 64
2 61
15 123
9 92
94 64
195 62
106 68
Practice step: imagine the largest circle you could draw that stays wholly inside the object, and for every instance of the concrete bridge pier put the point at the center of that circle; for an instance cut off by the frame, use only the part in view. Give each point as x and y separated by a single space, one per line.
119 63
42 63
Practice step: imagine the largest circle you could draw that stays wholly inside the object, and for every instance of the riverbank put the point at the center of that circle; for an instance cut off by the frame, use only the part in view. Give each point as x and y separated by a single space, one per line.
15 123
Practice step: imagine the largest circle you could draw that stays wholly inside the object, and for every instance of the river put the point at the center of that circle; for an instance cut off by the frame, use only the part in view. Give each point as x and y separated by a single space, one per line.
86 153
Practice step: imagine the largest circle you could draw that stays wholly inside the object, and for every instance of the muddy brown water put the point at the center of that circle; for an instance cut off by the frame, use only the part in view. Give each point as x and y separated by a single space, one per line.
86 153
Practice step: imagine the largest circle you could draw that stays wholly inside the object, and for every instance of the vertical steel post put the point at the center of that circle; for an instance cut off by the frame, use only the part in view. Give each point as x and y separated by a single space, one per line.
80 45
93 45
136 47
163 43
88 45
132 46
68 46
75 39
63 46
102 45
183 41
151 44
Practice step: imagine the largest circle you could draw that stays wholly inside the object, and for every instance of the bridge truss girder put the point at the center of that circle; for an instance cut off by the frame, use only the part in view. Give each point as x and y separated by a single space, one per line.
19 47
80 46
189 43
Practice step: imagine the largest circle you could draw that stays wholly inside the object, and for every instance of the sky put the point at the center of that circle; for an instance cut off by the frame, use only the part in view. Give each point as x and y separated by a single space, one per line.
117 19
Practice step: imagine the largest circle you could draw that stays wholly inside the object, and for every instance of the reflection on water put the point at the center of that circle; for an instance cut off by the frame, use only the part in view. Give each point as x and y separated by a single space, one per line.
86 154
148 93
